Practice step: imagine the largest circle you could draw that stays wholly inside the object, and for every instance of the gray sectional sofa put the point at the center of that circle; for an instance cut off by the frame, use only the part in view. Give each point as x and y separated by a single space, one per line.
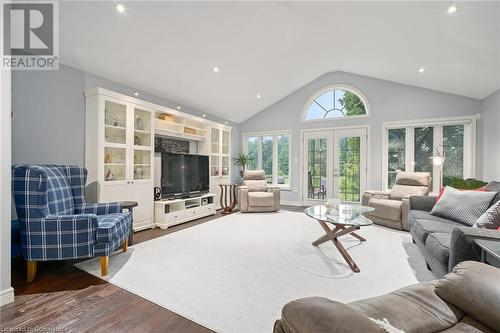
445 243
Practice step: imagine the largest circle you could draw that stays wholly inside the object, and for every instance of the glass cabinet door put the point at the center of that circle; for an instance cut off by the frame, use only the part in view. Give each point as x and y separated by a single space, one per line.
225 166
225 142
142 144
215 141
115 139
214 165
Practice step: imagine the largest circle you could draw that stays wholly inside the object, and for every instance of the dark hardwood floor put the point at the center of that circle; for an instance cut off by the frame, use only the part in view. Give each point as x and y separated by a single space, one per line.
66 299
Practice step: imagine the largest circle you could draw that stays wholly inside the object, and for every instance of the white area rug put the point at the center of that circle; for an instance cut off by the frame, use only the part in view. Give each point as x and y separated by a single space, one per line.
235 273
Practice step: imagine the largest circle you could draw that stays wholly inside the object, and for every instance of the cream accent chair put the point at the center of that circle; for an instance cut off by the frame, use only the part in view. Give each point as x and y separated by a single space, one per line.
392 207
255 195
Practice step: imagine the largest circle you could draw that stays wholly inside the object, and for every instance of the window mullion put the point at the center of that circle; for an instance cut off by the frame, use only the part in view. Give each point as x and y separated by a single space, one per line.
410 149
275 160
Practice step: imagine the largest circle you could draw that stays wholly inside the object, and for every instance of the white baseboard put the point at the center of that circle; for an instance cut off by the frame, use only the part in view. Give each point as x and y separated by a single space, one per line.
290 203
6 296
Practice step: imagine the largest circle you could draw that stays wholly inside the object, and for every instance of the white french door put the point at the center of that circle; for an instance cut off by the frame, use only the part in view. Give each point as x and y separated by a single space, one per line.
334 165
317 173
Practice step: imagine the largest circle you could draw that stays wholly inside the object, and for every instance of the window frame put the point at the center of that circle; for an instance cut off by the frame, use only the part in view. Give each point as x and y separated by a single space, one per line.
325 89
244 148
470 145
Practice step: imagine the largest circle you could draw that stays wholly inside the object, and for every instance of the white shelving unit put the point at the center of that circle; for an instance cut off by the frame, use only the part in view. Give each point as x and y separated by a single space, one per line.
119 151
119 154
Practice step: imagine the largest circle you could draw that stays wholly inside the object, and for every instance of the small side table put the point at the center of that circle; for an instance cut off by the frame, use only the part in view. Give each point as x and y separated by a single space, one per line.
490 251
224 189
129 206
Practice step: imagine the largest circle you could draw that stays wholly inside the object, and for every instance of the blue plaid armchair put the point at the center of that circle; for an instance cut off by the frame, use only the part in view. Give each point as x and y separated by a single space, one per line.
55 221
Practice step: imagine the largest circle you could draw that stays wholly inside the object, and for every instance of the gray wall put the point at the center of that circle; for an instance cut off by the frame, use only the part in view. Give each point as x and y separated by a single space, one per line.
49 114
490 112
388 101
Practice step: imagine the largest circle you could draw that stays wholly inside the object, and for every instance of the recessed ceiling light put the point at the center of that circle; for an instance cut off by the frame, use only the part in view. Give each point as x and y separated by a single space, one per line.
421 70
120 8
136 93
216 69
452 9
226 122
204 115
178 107
258 95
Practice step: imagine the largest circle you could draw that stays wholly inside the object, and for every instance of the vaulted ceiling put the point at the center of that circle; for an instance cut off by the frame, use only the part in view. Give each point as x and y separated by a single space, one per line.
273 48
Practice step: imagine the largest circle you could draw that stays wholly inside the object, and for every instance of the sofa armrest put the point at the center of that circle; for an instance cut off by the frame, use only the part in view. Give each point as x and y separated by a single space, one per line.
100 208
321 315
367 195
420 202
405 208
243 198
462 246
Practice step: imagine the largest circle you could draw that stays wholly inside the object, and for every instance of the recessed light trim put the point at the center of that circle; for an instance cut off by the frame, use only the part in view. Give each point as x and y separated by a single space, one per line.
204 115
216 69
421 70
226 122
120 8
258 96
136 93
178 107
452 9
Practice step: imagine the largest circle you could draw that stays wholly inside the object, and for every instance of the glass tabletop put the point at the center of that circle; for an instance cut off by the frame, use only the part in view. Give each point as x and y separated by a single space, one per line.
347 214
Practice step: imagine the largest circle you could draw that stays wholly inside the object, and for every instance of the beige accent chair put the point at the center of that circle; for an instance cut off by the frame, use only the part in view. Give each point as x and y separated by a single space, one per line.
392 207
467 300
255 195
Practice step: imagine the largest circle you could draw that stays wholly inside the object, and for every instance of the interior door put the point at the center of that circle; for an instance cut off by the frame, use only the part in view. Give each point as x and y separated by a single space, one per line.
349 157
317 167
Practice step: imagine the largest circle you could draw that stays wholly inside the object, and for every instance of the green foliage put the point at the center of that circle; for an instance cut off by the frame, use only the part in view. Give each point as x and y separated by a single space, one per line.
353 104
243 160
466 184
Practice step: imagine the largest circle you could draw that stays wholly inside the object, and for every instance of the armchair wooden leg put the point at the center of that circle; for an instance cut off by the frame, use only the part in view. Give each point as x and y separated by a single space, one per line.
104 265
125 245
31 271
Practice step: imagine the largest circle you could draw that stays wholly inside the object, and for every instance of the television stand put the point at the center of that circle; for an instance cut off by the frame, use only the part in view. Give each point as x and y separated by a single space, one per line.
172 212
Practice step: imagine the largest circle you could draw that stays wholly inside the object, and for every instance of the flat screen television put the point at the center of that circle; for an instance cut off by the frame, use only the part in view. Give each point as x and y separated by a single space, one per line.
183 175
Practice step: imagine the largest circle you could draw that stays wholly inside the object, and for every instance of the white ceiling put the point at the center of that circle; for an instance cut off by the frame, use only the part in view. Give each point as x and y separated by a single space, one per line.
273 48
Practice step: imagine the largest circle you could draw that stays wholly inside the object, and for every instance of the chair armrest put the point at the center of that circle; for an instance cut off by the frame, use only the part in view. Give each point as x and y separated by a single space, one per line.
462 246
321 315
58 237
405 208
243 198
374 194
100 208
420 202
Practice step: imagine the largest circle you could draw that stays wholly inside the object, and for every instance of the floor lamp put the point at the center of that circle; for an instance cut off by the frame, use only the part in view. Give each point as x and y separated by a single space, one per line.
438 160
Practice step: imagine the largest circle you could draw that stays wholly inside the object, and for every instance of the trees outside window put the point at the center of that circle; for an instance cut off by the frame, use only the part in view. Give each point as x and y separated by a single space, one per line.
271 153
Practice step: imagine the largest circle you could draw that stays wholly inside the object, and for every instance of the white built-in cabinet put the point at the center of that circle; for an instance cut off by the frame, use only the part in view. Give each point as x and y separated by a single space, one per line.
220 159
119 151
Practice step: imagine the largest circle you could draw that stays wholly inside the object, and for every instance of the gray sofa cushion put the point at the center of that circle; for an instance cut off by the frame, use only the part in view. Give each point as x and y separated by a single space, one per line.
462 206
438 244
423 223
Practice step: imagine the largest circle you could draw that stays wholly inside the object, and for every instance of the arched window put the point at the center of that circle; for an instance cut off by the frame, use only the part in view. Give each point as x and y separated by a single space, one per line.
335 102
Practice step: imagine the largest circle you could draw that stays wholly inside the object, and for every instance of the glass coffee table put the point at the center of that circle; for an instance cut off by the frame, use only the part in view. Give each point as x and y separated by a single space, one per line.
346 220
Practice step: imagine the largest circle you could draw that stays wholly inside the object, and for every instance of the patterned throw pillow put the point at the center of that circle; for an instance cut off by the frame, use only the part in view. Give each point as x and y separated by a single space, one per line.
462 206
490 219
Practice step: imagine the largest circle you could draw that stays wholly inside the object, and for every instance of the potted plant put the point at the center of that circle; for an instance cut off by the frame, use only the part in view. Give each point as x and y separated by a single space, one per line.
242 160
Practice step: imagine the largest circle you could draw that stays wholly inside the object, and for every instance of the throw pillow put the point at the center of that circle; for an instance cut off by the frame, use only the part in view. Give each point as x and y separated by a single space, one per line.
490 219
441 190
462 206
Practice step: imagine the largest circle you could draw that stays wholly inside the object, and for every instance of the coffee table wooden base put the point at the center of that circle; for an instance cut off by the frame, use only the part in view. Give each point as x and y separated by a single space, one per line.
333 235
